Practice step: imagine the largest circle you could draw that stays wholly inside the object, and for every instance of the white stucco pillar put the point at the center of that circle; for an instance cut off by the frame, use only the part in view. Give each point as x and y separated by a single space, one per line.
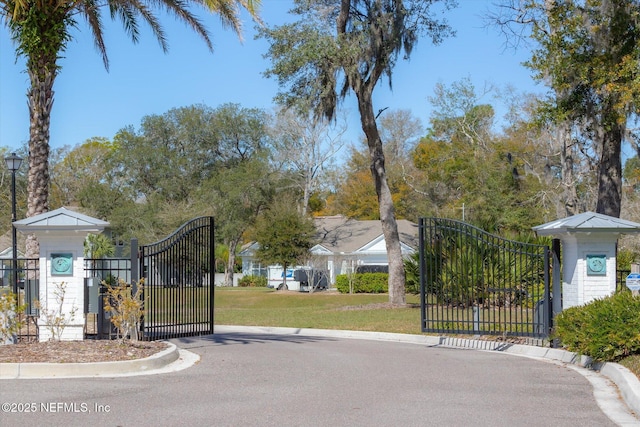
61 234
588 254
588 267
62 270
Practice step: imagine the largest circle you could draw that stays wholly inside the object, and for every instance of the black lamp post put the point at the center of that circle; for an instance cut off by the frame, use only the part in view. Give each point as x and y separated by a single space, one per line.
13 164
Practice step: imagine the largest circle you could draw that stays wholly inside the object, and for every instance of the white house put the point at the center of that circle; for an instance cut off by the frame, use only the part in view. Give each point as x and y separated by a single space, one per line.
343 245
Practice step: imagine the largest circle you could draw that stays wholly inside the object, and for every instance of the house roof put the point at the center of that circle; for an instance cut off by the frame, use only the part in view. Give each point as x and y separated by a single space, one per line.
341 234
588 222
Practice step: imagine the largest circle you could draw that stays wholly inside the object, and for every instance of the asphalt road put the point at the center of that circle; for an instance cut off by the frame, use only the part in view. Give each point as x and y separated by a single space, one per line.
246 379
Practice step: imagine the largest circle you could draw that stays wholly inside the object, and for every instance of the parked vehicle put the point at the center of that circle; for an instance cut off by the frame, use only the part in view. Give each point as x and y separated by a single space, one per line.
312 279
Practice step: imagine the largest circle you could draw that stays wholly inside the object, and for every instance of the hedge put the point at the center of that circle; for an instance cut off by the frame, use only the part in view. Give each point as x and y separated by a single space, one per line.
250 281
606 329
369 283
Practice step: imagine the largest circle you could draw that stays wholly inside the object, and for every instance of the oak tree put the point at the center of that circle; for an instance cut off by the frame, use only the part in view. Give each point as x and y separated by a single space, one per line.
338 47
587 52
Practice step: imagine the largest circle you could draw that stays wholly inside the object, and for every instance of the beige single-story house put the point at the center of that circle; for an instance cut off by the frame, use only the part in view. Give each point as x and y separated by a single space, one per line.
343 244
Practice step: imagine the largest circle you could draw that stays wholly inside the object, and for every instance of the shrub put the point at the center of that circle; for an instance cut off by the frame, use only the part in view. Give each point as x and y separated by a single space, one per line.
126 307
624 258
10 313
606 329
250 281
412 274
370 283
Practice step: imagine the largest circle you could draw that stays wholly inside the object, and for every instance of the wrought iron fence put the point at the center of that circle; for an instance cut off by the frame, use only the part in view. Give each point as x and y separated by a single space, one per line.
179 282
26 281
98 273
178 288
473 282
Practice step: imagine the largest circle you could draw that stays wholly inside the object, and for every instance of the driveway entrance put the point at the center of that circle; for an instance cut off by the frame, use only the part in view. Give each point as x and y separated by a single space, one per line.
257 379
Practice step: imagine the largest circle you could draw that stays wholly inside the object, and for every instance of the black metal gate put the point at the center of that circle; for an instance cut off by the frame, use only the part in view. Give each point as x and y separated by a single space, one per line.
178 277
473 282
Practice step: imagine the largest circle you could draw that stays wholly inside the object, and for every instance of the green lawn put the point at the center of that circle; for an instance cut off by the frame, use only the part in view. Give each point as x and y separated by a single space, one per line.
331 310
320 310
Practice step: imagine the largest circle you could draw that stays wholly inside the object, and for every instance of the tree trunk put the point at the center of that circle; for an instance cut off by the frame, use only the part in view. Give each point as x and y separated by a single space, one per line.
40 98
284 278
231 263
306 195
228 271
570 194
610 172
397 295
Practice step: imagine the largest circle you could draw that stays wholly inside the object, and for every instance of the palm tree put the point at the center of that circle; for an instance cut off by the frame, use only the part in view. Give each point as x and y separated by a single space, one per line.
41 30
98 246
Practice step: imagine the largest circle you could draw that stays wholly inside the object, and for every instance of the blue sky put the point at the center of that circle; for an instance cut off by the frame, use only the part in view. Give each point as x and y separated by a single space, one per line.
142 80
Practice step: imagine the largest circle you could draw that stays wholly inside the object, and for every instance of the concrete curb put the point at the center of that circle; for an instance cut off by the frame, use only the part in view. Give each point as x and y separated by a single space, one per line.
625 380
98 369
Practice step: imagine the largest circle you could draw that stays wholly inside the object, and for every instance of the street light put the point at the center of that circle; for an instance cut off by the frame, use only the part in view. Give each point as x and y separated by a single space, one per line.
13 164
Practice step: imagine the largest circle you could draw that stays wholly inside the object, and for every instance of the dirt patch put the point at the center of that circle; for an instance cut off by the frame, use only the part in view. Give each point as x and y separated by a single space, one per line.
78 351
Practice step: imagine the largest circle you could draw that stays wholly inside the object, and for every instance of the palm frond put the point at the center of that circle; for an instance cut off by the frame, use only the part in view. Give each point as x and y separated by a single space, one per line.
91 12
179 8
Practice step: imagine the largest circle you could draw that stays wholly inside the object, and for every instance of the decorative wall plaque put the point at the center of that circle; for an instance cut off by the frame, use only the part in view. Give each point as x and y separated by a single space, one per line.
596 265
62 264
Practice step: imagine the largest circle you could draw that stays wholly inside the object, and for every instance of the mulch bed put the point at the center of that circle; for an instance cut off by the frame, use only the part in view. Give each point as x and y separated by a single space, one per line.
79 351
